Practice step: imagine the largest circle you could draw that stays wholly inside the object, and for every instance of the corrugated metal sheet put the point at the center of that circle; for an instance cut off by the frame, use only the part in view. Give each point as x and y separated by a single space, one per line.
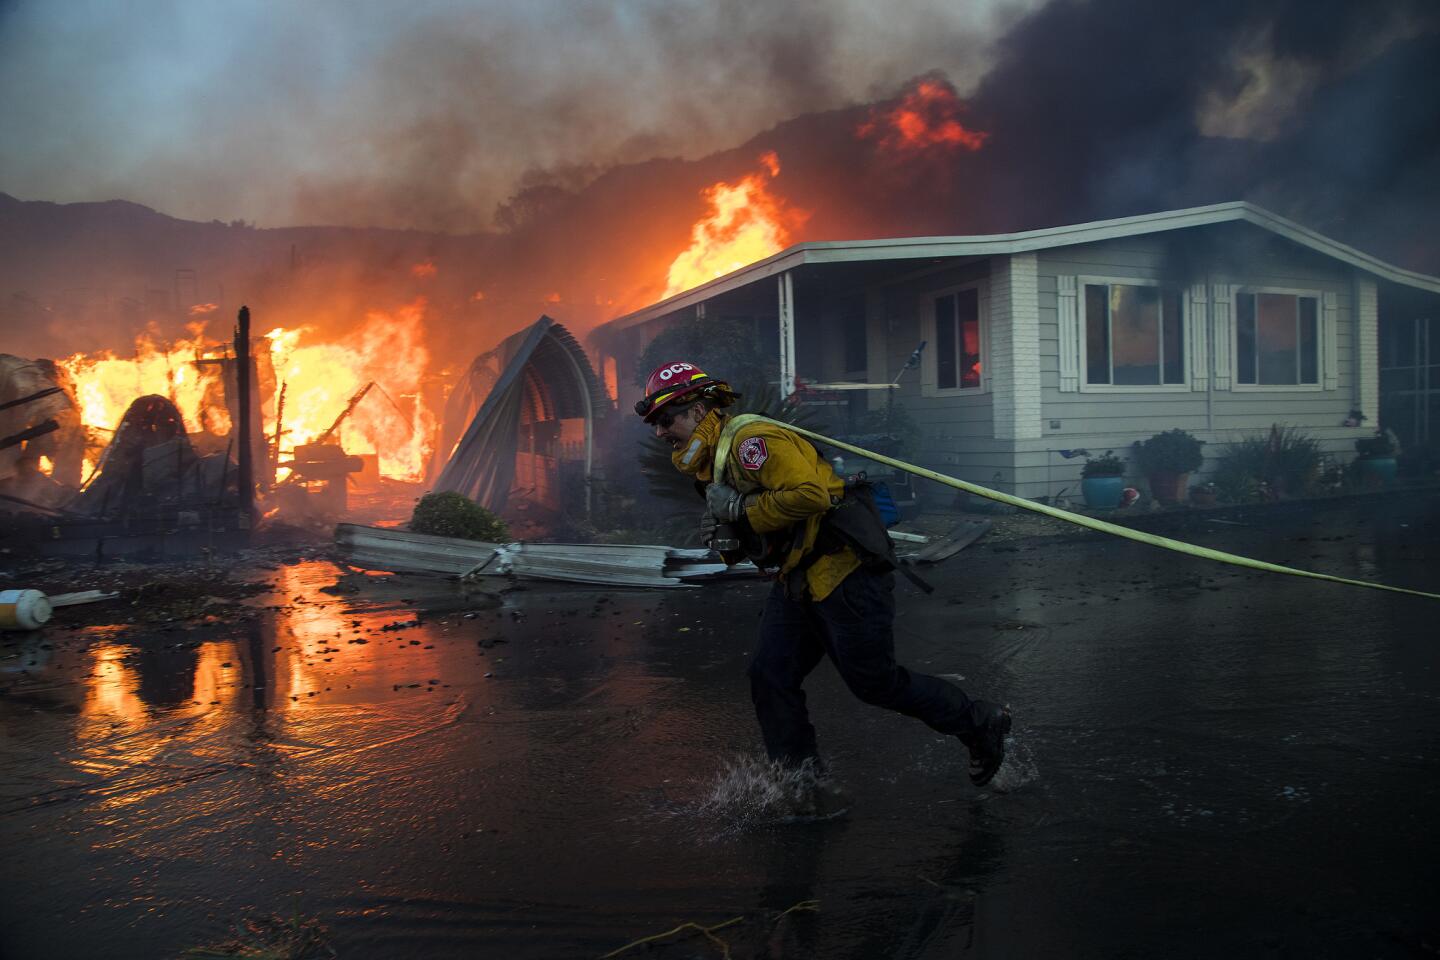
630 565
543 360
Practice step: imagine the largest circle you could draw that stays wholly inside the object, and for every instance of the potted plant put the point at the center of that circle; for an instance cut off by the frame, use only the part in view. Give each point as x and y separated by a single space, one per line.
1375 458
1204 494
1168 459
1102 481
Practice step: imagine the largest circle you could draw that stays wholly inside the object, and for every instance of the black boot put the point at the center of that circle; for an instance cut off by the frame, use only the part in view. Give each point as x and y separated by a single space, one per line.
987 745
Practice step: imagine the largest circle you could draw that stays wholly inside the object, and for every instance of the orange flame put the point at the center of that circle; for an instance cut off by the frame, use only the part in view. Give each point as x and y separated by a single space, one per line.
320 377
424 270
925 117
200 309
746 223
47 466
106 385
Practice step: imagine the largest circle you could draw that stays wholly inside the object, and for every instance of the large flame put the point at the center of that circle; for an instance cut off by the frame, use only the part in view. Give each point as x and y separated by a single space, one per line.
926 116
746 223
106 385
320 375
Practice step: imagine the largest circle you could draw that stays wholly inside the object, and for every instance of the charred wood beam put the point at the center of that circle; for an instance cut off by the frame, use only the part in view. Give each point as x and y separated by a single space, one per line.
47 392
29 433
349 407
246 473
279 432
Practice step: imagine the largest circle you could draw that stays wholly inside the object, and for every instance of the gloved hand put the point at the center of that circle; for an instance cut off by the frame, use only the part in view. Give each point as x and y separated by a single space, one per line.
724 502
708 523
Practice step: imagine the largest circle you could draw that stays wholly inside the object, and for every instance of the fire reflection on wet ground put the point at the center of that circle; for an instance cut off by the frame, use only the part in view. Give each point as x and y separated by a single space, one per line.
1201 757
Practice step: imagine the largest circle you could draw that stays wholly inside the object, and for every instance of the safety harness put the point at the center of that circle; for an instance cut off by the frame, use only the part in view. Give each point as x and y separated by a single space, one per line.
852 521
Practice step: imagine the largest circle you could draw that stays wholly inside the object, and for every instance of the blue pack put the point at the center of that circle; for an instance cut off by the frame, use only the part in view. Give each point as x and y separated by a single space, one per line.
885 503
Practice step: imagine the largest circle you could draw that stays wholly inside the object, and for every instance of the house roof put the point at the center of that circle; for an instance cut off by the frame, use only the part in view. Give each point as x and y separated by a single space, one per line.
906 248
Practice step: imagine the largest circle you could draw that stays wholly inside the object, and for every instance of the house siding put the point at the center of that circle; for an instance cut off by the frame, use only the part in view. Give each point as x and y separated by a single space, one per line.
1034 401
1212 408
957 430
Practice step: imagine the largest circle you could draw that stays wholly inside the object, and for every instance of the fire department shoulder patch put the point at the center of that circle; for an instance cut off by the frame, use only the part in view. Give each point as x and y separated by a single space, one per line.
752 453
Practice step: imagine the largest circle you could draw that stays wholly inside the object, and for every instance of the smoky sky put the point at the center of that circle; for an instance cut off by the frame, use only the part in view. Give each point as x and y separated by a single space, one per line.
426 114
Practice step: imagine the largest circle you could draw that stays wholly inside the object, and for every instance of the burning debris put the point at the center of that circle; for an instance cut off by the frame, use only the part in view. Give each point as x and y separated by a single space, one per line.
40 436
151 458
317 378
153 443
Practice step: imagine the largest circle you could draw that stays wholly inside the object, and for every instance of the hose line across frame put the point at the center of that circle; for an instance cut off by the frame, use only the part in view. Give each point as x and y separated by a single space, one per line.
727 436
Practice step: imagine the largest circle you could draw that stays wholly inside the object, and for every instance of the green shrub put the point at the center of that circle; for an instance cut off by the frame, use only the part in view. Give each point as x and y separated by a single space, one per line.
1286 459
1107 466
1174 451
456 515
1235 483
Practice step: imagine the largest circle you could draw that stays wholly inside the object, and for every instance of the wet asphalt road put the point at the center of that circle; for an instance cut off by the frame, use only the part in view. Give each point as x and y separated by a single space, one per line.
1206 763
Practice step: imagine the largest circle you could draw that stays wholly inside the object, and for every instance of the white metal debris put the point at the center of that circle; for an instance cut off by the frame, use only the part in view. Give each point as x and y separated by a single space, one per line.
633 565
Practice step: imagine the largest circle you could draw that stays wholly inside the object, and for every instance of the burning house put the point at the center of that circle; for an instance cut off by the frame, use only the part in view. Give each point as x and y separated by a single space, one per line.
1220 320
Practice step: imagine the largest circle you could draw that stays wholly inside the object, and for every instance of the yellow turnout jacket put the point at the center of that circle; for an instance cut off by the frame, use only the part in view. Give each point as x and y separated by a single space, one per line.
795 487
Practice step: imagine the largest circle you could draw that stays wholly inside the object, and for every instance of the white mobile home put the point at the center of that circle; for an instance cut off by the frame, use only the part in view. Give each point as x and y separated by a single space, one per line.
1220 320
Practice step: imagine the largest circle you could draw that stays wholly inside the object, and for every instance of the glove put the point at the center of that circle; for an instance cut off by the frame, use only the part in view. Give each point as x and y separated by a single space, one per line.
724 502
708 523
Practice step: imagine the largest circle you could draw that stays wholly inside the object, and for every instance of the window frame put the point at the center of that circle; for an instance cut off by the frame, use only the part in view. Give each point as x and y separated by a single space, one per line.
1083 338
930 382
1321 345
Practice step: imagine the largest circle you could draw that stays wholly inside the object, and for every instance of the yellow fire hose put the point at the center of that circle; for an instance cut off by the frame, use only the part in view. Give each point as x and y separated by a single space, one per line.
1165 543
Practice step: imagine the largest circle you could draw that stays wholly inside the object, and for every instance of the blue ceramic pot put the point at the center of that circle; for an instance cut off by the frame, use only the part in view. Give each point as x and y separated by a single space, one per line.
1376 470
1102 493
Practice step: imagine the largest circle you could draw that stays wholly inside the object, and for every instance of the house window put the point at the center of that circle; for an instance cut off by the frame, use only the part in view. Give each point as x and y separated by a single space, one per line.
957 340
1134 336
1277 339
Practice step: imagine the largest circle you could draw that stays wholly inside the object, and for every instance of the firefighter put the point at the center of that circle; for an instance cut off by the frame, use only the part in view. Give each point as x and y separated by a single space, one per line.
831 559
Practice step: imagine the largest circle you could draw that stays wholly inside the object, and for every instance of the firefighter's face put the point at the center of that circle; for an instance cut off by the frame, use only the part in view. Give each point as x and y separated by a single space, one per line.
676 426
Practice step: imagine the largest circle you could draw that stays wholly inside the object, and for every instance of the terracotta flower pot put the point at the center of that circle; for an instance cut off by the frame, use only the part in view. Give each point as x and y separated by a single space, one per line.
1169 487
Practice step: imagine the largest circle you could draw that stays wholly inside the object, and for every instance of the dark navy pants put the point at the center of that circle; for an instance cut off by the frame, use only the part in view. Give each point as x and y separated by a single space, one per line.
853 626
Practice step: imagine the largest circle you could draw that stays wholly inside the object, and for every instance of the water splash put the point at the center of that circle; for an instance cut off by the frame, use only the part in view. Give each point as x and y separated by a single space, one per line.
753 792
1019 767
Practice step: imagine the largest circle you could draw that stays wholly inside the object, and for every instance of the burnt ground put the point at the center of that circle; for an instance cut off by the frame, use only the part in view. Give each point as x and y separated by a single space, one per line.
1207 761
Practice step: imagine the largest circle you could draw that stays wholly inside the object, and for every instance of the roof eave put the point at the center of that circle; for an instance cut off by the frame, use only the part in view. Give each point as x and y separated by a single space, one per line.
905 248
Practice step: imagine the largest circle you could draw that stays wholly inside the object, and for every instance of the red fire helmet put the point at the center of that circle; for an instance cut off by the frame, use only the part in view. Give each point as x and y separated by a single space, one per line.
671 382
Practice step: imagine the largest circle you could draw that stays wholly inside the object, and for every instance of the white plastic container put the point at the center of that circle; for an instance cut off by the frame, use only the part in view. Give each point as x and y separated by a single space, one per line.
23 610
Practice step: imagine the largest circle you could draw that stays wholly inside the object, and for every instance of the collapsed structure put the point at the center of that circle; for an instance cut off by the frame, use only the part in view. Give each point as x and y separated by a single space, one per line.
521 423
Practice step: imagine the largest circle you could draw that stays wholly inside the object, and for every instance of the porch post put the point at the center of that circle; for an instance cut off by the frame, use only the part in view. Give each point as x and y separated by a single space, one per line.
1367 348
1015 346
787 335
